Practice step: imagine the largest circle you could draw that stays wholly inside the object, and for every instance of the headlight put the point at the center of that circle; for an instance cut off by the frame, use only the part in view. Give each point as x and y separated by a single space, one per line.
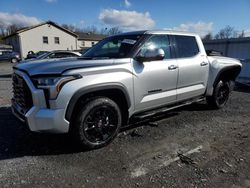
53 84
47 81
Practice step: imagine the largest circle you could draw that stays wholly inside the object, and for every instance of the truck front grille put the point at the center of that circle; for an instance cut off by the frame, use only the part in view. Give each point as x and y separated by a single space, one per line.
21 94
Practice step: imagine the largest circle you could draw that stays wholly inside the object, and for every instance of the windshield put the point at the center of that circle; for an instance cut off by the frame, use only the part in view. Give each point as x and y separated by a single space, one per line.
43 55
113 47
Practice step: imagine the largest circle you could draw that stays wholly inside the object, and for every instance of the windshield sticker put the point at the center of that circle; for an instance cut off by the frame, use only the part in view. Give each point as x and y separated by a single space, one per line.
129 41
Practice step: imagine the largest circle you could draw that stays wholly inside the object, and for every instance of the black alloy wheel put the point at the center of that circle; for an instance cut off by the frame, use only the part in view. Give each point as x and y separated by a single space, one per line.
98 122
220 95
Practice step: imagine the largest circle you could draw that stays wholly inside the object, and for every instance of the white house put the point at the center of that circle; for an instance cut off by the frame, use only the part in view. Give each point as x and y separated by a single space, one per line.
46 36
87 40
49 36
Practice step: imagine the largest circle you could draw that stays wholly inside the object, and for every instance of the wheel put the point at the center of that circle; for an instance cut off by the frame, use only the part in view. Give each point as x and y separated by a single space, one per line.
220 95
13 60
97 123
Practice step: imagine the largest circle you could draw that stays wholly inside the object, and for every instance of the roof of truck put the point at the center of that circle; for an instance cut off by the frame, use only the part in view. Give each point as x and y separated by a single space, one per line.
173 32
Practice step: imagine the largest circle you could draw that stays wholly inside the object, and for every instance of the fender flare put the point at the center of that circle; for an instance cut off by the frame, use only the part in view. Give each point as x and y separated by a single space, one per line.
210 88
94 88
236 68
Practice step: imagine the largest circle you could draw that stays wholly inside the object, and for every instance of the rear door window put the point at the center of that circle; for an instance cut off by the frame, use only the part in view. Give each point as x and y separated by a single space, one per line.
72 55
60 55
186 46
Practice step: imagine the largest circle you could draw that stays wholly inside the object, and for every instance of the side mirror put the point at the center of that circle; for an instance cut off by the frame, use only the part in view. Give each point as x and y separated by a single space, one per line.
151 55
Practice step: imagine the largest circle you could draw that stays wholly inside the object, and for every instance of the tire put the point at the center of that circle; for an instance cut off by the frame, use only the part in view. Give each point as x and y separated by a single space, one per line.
97 123
220 95
13 60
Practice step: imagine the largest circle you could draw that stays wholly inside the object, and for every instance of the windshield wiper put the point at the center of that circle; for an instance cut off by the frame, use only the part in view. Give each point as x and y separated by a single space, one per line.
100 58
82 57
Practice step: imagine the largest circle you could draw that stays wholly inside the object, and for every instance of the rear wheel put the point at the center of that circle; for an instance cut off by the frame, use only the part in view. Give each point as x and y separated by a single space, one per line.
220 95
97 123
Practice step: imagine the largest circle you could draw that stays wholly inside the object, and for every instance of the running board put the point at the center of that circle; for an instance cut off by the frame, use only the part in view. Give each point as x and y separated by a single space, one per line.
164 109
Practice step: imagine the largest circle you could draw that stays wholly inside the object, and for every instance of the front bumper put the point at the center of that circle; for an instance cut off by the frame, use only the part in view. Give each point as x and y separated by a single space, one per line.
39 118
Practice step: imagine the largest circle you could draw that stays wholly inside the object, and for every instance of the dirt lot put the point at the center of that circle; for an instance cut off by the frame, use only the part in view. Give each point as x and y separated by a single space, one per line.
5 68
191 147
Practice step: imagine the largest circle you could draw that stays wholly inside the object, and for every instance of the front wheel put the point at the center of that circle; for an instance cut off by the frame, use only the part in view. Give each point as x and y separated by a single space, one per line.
97 123
220 95
13 60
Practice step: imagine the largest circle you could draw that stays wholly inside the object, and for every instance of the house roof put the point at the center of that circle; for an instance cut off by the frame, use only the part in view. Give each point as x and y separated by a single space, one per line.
48 22
89 36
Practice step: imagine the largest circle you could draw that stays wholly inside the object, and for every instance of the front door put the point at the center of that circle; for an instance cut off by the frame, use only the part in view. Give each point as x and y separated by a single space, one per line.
155 81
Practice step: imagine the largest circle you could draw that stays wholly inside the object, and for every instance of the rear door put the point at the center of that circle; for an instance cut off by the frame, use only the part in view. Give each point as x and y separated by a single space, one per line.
193 67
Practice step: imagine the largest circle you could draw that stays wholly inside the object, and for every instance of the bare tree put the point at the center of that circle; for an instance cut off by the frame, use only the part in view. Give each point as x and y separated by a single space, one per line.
110 31
73 28
114 31
91 29
12 29
2 30
208 36
226 33
1 39
8 30
70 27
242 34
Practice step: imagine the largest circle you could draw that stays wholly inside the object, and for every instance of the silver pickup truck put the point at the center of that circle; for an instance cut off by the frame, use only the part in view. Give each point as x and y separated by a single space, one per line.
131 75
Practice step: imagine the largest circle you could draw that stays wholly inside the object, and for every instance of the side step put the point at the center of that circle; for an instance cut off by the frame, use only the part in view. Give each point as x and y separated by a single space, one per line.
164 109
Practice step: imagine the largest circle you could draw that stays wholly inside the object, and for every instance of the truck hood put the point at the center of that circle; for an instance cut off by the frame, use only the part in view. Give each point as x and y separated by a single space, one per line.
59 66
47 60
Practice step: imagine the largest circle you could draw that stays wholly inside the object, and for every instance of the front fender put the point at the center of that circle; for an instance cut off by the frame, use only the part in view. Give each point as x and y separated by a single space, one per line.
94 88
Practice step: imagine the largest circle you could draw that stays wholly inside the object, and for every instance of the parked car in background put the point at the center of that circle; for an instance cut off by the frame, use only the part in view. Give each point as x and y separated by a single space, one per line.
55 55
11 56
32 55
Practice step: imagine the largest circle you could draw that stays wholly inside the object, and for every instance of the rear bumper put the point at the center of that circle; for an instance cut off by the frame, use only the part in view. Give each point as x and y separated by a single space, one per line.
39 118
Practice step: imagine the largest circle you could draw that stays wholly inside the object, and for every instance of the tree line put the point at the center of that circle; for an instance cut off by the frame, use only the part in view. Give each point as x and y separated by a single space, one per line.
93 29
224 33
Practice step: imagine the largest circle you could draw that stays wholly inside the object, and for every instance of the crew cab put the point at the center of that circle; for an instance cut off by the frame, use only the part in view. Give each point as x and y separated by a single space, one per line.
130 75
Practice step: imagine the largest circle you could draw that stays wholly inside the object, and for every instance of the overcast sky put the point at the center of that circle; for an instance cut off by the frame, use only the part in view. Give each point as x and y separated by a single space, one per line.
189 15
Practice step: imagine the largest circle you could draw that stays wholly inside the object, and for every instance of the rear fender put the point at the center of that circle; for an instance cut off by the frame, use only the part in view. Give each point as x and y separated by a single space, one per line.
221 71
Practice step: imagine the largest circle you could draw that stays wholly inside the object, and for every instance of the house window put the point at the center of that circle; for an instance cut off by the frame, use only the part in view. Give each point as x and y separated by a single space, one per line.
45 40
93 43
57 41
83 43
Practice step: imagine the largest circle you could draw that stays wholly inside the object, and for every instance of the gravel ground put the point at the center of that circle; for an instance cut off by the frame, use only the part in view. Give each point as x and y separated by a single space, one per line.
5 91
191 147
5 68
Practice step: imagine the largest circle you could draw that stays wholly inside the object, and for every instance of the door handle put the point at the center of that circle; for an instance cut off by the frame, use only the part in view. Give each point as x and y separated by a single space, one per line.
172 67
204 63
